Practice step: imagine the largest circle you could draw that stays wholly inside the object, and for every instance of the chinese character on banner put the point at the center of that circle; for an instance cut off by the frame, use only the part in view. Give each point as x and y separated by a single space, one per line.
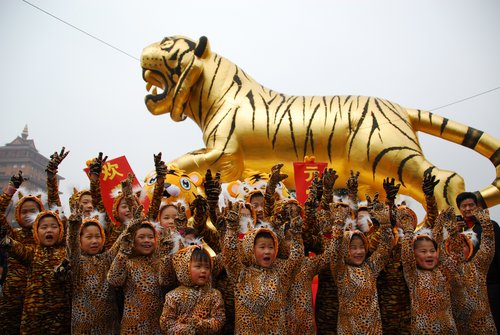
113 172
304 174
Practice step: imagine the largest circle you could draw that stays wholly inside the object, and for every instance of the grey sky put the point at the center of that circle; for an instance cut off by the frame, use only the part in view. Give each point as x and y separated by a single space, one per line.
74 91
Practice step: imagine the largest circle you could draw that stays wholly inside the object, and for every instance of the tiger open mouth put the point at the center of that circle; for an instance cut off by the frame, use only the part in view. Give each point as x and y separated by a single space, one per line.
155 81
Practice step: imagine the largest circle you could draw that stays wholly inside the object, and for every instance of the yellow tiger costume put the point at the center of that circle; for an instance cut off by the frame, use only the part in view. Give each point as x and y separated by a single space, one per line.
247 126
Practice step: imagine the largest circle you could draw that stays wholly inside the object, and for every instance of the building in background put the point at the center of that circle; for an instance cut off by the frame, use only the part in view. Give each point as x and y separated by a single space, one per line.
21 154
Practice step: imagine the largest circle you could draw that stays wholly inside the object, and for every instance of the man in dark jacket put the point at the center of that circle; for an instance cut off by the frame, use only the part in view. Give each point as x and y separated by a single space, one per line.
467 203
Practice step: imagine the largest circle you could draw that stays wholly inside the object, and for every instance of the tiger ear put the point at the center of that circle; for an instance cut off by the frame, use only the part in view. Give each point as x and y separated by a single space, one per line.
202 49
75 191
20 194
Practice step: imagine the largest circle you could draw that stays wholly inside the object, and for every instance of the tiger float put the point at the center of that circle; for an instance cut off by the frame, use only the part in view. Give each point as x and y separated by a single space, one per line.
248 126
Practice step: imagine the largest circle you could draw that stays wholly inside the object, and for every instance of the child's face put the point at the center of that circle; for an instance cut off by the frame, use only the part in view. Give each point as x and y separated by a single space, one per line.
357 251
264 251
85 203
48 231
29 210
426 255
144 242
200 272
91 241
124 213
257 203
167 218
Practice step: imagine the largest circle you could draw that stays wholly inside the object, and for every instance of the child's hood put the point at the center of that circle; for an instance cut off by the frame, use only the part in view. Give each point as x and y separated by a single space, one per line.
181 262
249 241
39 217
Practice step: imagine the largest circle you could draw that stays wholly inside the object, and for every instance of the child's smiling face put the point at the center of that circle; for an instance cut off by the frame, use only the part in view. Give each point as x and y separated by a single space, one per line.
426 255
357 251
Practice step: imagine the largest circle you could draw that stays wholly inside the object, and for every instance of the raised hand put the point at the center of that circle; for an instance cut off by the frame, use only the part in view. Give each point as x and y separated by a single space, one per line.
380 212
428 184
391 189
55 160
233 215
405 220
296 224
181 220
17 179
76 216
276 176
370 203
339 213
160 166
483 215
126 244
329 178
212 186
352 184
95 167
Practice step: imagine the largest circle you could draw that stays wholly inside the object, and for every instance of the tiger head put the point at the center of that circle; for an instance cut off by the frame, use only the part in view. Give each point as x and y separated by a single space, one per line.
173 65
179 187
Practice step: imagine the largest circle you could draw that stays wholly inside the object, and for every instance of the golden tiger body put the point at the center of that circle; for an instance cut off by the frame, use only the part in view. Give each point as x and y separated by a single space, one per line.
247 126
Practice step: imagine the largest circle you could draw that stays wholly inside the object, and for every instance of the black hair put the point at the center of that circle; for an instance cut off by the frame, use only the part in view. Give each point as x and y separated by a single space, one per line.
200 255
88 224
263 234
189 230
255 195
425 238
464 196
32 200
165 207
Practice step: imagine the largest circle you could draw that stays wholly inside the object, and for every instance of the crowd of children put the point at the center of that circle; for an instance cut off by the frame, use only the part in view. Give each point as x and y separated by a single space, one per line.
246 267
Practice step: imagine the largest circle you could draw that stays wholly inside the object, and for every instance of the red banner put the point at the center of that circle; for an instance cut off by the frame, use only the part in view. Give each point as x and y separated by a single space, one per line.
304 174
113 172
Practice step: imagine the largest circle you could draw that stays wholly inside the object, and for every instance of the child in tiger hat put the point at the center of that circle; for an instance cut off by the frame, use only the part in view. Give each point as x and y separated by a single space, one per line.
94 306
470 306
194 307
26 210
261 280
138 269
356 275
47 307
428 274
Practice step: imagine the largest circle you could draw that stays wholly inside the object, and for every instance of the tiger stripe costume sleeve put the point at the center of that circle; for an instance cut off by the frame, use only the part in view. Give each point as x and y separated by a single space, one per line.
380 256
154 207
231 255
20 252
73 247
486 251
117 274
53 198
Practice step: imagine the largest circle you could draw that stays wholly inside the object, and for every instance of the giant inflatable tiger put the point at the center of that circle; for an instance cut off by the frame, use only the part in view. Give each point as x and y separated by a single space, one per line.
246 125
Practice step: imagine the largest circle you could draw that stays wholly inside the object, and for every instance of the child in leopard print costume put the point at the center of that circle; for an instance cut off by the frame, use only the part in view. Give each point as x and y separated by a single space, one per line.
194 307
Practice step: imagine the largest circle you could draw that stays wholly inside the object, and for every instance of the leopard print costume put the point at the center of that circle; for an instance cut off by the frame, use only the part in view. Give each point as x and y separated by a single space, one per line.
94 309
358 299
429 291
470 297
190 309
299 314
260 293
393 293
139 276
46 308
11 302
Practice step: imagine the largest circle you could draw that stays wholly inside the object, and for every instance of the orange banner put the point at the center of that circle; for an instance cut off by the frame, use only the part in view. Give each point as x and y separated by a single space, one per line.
113 172
304 174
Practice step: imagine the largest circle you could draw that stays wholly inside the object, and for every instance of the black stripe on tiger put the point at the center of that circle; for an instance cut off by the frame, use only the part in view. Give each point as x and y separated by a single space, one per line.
496 182
429 170
326 110
402 165
181 81
495 158
331 137
443 126
290 121
200 104
382 154
309 127
283 99
279 124
214 129
393 124
231 131
237 80
360 122
374 127
393 108
445 189
252 104
472 137
213 78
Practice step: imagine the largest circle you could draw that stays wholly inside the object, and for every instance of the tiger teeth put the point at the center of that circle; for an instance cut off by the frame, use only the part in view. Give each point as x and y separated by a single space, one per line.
148 86
154 92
